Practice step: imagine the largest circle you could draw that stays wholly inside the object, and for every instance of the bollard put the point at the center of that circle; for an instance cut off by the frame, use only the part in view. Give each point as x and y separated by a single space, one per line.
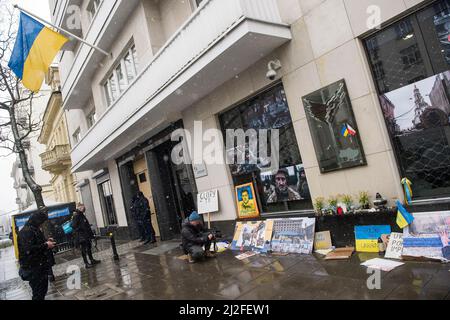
113 245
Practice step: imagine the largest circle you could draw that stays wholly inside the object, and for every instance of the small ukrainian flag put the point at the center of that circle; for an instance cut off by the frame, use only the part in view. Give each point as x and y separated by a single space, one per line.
404 218
35 48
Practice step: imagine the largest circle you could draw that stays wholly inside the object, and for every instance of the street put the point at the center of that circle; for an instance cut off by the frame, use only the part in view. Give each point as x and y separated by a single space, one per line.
156 272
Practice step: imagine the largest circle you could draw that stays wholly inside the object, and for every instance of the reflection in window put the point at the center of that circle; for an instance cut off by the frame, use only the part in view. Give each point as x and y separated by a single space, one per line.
107 202
415 100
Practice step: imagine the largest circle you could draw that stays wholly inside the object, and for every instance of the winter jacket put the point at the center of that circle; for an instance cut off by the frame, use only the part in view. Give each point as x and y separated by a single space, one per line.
140 209
33 249
192 236
82 231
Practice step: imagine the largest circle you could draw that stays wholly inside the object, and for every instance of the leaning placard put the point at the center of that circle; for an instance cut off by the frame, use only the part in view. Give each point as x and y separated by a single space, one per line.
395 246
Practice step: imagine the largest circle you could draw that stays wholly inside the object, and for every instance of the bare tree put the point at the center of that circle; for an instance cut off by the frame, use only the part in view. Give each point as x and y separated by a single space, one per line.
17 121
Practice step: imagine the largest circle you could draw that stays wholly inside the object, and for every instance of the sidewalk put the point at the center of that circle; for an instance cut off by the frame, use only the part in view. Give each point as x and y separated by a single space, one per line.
146 273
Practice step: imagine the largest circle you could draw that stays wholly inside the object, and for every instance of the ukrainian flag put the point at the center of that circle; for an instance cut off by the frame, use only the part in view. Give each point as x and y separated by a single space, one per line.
36 47
404 218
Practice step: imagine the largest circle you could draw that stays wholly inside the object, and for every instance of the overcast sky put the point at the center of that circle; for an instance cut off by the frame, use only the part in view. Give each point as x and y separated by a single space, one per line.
8 194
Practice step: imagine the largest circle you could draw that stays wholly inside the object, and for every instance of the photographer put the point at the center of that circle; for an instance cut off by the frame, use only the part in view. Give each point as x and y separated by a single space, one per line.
194 238
33 255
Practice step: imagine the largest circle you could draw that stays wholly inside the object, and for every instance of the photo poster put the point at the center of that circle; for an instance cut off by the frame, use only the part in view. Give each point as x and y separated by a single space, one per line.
246 201
333 128
285 184
252 236
366 237
208 201
422 238
293 235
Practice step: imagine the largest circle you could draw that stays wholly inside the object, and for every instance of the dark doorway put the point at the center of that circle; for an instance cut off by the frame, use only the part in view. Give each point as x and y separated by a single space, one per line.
129 191
173 187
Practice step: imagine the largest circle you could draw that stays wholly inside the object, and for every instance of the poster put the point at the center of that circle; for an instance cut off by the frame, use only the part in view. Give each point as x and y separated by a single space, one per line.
252 236
421 239
246 201
322 240
293 235
286 184
395 246
366 237
208 201
333 128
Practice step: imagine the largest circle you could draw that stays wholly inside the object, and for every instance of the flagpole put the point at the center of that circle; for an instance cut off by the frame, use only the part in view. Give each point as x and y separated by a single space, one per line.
62 30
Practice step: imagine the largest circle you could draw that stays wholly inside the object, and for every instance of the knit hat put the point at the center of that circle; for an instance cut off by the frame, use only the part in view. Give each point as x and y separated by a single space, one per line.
194 216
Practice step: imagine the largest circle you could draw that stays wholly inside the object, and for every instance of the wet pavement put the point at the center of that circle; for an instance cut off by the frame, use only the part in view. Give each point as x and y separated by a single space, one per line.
143 273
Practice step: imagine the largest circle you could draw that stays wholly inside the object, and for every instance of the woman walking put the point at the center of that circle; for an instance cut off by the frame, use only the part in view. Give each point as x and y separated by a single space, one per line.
83 235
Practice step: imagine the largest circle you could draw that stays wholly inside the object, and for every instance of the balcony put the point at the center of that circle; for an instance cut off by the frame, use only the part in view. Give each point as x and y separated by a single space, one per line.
220 40
56 160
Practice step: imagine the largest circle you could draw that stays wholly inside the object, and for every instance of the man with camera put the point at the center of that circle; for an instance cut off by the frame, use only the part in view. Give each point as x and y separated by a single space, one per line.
194 237
33 254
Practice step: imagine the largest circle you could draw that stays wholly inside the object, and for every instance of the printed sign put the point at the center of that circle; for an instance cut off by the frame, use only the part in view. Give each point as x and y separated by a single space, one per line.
293 235
200 170
254 236
366 237
395 246
246 201
208 202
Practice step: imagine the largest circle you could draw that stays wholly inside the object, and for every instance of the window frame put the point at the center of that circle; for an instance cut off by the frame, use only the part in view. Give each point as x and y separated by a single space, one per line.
112 74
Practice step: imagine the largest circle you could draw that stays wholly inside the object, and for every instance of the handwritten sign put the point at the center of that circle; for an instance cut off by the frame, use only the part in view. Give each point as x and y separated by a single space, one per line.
208 201
366 237
395 246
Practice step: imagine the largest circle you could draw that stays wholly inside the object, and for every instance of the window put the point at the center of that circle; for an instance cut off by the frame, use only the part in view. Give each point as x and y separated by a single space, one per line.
76 136
269 110
410 62
91 119
122 76
107 203
93 8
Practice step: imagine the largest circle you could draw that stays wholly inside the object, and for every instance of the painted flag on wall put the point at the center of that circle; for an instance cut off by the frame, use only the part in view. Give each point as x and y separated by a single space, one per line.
348 130
404 218
35 48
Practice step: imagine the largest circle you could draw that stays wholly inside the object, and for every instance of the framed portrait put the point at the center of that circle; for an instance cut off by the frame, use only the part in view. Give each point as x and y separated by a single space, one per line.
246 201
333 128
285 184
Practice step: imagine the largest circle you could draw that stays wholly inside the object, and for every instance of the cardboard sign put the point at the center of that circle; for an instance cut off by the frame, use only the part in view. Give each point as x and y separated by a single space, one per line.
340 254
208 202
322 240
366 237
395 246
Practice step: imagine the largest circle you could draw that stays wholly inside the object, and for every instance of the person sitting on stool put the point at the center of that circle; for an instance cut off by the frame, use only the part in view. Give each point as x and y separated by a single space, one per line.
194 238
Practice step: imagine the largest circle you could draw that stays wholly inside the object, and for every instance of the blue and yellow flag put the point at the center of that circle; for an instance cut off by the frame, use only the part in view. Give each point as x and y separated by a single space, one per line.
36 47
404 218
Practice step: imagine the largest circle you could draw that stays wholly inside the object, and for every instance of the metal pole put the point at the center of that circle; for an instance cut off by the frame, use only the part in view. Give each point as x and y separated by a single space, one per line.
63 31
113 245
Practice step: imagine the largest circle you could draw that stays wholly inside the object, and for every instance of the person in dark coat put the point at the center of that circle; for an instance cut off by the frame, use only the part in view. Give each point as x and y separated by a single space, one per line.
137 219
83 235
140 209
194 237
33 255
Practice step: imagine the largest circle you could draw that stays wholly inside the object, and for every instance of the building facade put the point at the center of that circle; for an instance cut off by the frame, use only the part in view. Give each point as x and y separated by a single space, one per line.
56 158
341 96
33 149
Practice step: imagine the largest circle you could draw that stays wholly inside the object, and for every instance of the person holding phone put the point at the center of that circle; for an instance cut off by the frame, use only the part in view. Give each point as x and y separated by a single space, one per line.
33 254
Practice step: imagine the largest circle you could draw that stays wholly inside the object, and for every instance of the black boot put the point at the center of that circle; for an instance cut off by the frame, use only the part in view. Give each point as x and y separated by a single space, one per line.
94 262
88 265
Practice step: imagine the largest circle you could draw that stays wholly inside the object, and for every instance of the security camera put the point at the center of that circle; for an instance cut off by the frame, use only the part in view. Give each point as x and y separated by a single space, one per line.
273 67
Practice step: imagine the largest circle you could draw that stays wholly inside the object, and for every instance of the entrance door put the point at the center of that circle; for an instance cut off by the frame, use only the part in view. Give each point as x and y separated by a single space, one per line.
143 180
174 190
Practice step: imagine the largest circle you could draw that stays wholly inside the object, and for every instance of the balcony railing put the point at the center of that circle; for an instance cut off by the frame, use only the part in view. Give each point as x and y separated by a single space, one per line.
56 159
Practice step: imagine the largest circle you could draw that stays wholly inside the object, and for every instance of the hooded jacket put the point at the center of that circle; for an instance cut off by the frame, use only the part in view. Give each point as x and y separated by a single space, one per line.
81 227
192 236
33 249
